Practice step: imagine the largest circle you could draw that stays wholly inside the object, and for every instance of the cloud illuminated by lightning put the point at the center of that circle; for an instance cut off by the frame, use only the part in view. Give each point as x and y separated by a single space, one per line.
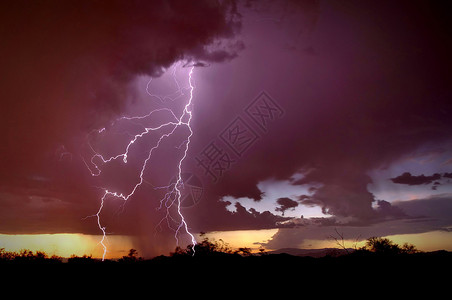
173 197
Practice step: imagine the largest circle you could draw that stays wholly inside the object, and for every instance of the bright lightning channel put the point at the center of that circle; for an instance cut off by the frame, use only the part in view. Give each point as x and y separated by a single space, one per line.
171 198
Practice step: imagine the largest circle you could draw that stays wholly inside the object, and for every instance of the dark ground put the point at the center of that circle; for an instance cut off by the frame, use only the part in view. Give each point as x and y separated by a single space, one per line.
234 268
233 276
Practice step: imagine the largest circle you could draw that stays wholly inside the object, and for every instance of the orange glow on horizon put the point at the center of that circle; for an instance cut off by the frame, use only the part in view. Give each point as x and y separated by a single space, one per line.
242 238
66 244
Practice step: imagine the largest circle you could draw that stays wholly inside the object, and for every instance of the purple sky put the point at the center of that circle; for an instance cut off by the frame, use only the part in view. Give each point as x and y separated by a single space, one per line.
355 134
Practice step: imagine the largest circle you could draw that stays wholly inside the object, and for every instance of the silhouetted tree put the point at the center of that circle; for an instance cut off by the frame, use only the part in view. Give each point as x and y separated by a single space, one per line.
205 247
27 256
385 246
381 246
131 257
243 251
81 259
339 238
409 249
6 255
262 251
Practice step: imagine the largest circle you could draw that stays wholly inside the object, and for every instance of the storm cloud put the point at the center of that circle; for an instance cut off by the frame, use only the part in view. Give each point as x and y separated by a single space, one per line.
428 214
285 204
67 66
361 86
362 103
407 178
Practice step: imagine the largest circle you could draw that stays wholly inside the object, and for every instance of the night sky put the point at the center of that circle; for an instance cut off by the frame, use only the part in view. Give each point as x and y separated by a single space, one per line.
307 117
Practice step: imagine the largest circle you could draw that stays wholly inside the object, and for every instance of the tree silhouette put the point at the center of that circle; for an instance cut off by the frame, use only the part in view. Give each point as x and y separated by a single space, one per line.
340 242
385 246
219 251
409 249
27 256
243 251
131 257
205 248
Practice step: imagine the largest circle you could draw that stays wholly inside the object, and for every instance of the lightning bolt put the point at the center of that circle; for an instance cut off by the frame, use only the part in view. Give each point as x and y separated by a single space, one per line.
173 196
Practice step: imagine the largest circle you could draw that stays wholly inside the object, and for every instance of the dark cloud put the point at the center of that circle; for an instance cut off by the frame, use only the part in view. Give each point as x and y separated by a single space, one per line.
305 200
212 217
421 215
49 204
407 178
386 210
370 105
340 195
362 102
285 204
435 208
67 66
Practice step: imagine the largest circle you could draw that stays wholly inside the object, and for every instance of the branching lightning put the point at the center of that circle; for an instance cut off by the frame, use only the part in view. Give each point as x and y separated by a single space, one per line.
173 197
